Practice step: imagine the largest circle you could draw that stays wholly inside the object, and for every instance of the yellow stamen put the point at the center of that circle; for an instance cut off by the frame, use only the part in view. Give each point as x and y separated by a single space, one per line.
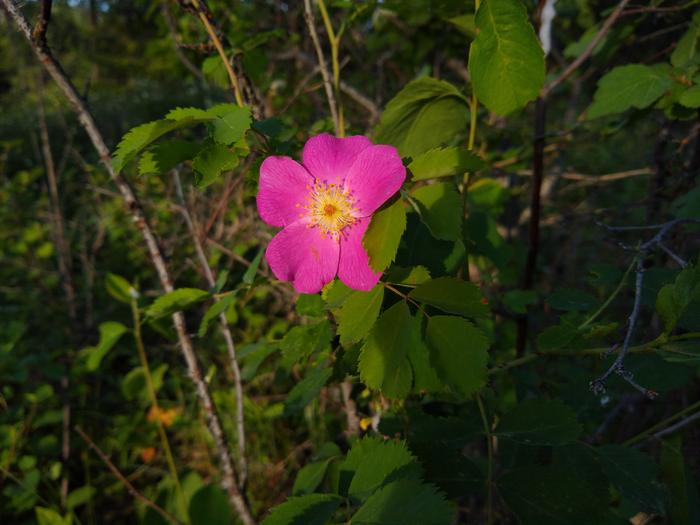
330 208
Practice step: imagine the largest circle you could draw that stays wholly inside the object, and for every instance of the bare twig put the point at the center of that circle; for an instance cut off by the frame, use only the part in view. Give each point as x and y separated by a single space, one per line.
350 407
127 484
673 428
617 367
327 84
42 23
172 28
230 346
607 25
85 118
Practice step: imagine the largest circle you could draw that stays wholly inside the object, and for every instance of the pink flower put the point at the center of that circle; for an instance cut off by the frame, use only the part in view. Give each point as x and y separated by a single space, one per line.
324 207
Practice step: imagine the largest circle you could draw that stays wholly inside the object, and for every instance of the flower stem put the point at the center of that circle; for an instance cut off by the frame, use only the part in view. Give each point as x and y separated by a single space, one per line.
154 403
334 41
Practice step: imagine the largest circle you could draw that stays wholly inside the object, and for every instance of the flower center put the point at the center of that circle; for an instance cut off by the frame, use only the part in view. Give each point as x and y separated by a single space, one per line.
330 208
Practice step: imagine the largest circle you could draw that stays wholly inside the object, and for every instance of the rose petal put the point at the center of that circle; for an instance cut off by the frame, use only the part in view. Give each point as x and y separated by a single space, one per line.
376 175
304 256
283 184
354 269
329 158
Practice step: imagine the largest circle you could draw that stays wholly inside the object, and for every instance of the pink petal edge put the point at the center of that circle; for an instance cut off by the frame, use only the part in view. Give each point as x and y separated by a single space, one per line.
283 185
376 175
354 269
302 255
329 158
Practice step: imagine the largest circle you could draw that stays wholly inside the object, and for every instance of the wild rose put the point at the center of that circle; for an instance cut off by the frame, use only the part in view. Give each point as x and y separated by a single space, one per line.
324 206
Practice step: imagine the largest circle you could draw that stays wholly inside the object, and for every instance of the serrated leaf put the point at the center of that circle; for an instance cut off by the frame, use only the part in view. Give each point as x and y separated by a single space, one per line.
301 342
382 238
673 299
405 502
690 98
138 138
412 276
540 422
306 390
110 333
452 295
213 312
188 114
311 509
311 305
358 313
425 114
384 363
230 127
442 162
335 294
441 210
506 61
119 288
458 352
634 474
211 162
372 463
310 477
165 155
634 85
175 301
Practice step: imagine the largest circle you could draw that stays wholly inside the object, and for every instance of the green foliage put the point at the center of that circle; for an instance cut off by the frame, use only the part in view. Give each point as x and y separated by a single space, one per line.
311 509
540 422
211 162
673 299
166 155
176 301
425 114
440 206
452 295
358 313
209 506
381 241
634 85
110 333
442 162
506 62
458 353
120 288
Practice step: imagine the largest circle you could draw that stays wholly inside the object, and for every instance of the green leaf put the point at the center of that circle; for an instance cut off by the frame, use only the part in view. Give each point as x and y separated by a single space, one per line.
673 299
301 342
690 98
358 314
211 162
634 85
442 162
452 295
553 495
134 384
165 155
458 352
230 126
687 51
50 517
311 509
441 210
405 502
252 270
119 288
506 61
311 475
412 276
110 333
209 506
80 496
518 300
540 422
213 312
684 504
384 363
381 241
425 114
176 301
372 463
188 115
138 138
307 389
335 294
311 305
634 474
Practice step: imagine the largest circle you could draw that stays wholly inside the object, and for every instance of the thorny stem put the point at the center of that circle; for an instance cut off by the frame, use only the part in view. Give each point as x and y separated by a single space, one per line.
53 67
129 487
489 472
233 78
225 330
334 41
154 403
